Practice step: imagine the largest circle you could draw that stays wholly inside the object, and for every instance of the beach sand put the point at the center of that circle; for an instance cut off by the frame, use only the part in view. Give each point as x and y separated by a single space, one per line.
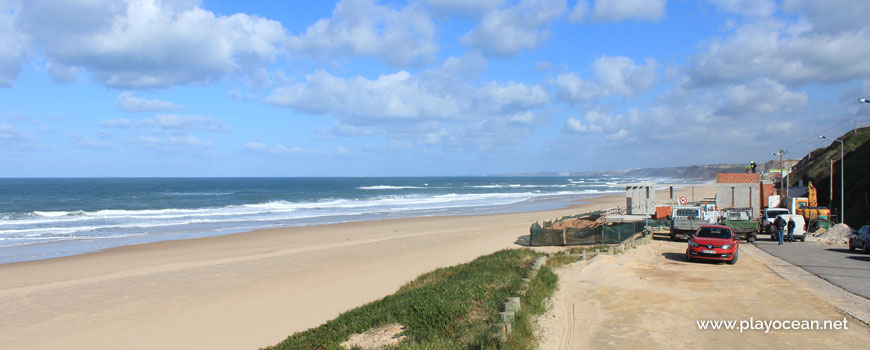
245 290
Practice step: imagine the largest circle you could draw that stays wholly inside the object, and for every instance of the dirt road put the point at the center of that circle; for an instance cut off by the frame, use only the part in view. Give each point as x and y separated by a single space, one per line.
652 298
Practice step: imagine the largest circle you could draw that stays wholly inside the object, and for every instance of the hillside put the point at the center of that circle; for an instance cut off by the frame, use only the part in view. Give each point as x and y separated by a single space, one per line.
816 167
694 172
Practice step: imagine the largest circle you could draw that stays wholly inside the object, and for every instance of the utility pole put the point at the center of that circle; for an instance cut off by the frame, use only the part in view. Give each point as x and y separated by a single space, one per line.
831 200
782 181
842 177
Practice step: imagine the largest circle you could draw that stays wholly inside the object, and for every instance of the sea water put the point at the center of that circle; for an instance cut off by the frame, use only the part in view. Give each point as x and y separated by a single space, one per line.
45 218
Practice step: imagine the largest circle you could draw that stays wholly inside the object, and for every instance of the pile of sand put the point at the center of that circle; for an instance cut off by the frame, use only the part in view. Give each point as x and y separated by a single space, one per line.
576 223
839 234
376 338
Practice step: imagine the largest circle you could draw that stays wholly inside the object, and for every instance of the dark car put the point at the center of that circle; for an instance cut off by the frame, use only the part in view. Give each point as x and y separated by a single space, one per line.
861 239
713 242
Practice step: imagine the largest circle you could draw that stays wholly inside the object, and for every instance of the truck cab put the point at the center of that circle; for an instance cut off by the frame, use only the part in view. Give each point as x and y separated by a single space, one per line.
685 220
742 223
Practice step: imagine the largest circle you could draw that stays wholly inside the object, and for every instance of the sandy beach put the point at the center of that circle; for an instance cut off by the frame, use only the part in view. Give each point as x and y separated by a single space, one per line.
243 290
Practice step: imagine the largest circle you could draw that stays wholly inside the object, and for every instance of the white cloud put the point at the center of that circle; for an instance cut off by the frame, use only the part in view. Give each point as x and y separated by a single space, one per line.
575 125
614 76
511 96
130 103
761 8
831 15
506 32
438 94
147 43
170 143
401 37
620 76
189 122
16 139
760 98
465 6
526 117
580 11
620 135
170 123
791 54
84 142
121 123
341 129
14 47
390 96
542 66
619 10
259 147
571 88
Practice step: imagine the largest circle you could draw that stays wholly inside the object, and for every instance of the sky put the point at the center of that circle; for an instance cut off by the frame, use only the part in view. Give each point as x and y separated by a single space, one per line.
104 88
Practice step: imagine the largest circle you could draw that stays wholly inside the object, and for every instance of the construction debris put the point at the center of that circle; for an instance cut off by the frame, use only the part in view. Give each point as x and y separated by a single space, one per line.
839 234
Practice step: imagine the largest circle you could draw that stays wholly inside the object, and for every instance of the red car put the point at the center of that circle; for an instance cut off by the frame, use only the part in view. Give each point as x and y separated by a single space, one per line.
713 242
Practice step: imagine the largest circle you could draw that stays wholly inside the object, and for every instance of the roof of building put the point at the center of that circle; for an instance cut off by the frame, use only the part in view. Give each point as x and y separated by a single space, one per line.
736 178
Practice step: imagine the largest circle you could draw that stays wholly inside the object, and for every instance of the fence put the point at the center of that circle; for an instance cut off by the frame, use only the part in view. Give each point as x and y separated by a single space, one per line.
610 233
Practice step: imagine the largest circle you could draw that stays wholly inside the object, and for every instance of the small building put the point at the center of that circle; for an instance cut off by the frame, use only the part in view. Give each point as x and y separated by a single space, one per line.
739 190
640 199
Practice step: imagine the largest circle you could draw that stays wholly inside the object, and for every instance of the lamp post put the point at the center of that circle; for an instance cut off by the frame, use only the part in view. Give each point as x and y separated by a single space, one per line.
842 208
782 193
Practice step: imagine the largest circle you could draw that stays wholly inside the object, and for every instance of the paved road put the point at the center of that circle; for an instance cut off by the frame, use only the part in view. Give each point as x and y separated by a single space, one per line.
834 263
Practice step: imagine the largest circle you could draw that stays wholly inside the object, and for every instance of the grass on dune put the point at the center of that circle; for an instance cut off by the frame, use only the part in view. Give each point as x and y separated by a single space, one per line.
449 308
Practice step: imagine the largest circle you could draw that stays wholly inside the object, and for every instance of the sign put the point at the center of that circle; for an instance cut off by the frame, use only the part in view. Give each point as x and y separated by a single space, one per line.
684 200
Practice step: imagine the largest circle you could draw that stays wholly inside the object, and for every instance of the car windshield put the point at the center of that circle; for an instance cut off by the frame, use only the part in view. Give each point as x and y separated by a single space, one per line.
714 232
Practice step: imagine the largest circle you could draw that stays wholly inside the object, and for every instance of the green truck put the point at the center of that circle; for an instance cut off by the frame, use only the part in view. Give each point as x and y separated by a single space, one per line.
741 222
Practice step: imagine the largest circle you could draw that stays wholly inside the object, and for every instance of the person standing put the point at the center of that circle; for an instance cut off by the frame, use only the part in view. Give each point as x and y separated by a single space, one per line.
752 166
791 226
780 225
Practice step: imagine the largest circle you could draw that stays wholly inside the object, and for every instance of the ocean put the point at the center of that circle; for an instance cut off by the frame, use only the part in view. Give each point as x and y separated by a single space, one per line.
54 217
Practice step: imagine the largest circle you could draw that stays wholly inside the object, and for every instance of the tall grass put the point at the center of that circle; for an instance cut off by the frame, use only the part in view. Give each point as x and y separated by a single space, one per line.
449 308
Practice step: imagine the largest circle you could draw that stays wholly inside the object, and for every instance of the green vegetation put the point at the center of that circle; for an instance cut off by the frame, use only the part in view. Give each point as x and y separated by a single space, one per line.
449 308
561 260
816 167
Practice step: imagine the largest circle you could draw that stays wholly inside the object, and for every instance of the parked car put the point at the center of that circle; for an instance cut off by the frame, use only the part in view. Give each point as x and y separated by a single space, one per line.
861 239
800 227
713 242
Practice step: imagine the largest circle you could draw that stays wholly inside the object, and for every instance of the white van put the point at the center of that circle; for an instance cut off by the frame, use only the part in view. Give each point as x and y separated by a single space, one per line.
767 217
800 227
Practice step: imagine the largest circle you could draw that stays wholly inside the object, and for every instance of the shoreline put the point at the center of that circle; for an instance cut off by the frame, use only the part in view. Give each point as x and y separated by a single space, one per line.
242 290
82 246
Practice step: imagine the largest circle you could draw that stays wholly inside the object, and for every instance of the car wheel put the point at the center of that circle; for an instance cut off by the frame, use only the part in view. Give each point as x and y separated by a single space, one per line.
866 249
689 258
733 259
851 248
751 239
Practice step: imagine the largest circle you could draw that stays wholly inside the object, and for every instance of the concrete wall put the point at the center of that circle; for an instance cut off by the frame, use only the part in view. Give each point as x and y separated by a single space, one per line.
640 199
739 195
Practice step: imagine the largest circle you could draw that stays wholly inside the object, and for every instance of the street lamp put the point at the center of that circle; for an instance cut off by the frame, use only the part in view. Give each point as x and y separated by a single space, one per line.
783 194
842 208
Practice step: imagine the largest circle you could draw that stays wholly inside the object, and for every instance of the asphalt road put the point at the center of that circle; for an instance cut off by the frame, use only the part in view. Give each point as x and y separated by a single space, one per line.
834 263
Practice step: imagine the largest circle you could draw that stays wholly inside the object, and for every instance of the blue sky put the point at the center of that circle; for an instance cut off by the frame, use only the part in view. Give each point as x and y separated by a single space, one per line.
421 87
